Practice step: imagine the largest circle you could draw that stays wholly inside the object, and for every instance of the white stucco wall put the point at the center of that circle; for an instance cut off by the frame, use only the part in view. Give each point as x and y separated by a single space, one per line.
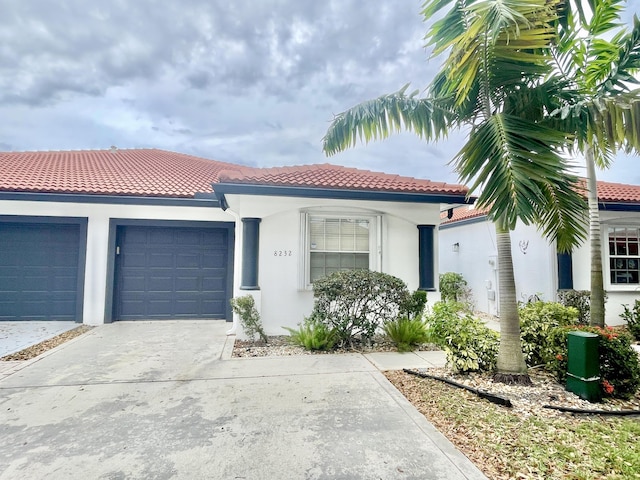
474 257
283 301
617 295
535 266
98 215
534 262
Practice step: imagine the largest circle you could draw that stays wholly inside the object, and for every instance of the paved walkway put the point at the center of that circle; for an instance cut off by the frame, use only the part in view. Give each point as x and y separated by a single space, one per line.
156 400
16 336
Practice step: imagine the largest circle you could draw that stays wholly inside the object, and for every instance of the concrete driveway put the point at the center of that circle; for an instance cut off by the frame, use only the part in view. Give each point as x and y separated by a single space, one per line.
14 336
154 400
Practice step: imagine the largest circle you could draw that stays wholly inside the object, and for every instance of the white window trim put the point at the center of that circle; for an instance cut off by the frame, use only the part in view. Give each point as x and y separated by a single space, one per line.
606 267
375 241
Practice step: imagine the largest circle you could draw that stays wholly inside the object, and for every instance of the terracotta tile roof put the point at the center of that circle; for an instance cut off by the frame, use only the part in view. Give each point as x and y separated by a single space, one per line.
139 172
607 192
159 173
337 177
618 192
462 213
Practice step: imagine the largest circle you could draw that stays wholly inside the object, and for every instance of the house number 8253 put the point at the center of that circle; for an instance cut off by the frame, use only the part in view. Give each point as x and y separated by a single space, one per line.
282 253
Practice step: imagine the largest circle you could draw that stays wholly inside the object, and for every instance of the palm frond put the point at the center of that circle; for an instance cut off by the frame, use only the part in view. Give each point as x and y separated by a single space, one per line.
623 56
515 162
564 215
379 118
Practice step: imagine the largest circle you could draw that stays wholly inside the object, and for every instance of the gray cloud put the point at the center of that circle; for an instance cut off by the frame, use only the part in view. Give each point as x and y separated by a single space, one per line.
255 83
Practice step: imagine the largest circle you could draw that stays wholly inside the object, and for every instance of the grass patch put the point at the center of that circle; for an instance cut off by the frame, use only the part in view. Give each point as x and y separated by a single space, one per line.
505 445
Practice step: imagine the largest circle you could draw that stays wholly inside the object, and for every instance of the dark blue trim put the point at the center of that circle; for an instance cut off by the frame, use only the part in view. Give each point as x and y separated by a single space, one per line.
426 257
222 189
619 207
565 271
114 223
466 221
198 201
82 249
250 253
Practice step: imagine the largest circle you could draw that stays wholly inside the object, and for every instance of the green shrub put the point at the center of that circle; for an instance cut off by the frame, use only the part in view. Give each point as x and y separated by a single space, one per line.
632 317
469 344
245 308
536 321
407 333
453 287
355 303
414 305
619 366
580 300
313 335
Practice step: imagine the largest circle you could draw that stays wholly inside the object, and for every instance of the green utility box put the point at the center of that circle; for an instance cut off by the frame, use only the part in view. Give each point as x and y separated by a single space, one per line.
583 365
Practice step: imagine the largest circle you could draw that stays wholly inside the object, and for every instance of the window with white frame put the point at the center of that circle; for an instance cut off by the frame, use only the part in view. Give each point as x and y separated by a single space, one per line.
336 242
624 257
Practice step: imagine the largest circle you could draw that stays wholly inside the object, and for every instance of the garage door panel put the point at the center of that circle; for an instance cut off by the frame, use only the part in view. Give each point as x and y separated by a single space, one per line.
160 259
214 260
160 308
39 266
133 307
63 283
134 284
188 260
160 284
63 259
213 284
134 259
217 240
188 284
188 308
214 304
173 271
189 238
60 309
161 236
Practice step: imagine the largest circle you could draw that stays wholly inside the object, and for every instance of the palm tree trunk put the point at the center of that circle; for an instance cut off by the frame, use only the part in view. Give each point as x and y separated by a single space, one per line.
597 287
511 365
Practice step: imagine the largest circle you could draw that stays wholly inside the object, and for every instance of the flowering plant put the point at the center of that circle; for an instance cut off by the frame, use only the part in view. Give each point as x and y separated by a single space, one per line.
619 366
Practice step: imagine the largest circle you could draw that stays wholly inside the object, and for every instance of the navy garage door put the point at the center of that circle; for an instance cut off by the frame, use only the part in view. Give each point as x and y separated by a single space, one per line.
171 273
38 271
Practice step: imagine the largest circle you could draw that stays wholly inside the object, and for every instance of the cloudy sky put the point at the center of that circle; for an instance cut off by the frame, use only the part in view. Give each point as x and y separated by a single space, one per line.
251 82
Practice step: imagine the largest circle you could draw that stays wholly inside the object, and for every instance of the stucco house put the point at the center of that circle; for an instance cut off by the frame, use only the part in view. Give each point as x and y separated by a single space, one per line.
467 246
101 236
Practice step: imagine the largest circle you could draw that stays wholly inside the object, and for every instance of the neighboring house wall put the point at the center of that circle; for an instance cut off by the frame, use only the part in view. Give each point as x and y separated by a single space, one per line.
534 261
475 257
98 215
470 249
617 294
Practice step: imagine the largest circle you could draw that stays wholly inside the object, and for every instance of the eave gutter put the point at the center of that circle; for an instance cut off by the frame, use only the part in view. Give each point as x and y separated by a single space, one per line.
619 206
222 189
199 200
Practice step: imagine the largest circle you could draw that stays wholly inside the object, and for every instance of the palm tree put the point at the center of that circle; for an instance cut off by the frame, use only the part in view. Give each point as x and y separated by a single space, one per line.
595 62
493 80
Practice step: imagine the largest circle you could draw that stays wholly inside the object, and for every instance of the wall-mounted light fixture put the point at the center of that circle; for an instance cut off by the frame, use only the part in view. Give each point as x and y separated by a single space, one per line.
455 247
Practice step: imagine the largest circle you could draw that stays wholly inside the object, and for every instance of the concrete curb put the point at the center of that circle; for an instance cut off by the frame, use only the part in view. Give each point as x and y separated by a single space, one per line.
461 461
17 365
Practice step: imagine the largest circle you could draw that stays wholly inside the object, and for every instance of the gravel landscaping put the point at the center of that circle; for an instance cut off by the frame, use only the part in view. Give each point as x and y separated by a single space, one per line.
39 348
